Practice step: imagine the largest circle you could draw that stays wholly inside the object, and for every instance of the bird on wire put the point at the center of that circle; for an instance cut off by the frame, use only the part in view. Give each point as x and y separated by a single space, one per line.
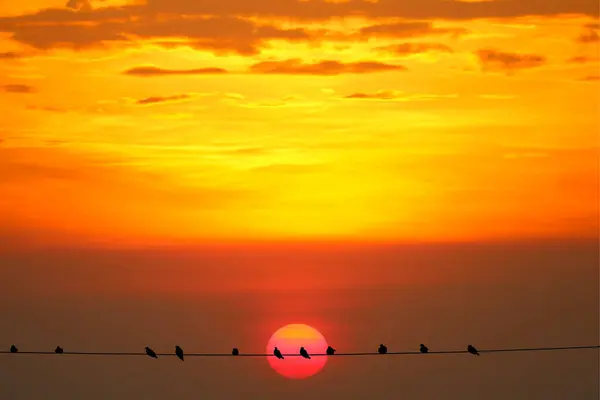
382 349
472 350
235 352
59 350
151 353
423 349
330 351
304 353
13 349
179 352
278 353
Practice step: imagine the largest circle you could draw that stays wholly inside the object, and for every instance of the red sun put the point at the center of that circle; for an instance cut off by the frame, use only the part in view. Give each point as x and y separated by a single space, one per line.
288 340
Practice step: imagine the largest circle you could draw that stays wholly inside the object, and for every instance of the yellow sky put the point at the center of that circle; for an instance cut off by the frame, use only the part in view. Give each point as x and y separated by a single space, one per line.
181 120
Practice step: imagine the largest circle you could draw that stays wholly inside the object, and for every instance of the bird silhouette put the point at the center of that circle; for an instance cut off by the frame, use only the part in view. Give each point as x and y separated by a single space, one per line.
235 352
304 353
382 349
13 349
278 353
179 352
58 350
424 349
472 350
330 351
151 353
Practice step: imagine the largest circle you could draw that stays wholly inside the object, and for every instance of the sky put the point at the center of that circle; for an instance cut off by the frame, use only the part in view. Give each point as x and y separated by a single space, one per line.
195 171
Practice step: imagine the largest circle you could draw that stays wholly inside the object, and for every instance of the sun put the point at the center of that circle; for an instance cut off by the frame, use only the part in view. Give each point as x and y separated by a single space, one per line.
288 340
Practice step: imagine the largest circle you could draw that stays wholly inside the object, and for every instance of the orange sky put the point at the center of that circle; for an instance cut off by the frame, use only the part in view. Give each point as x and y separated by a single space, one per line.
187 120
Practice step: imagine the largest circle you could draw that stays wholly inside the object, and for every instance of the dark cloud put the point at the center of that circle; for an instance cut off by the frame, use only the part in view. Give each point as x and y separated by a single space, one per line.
383 95
163 99
591 78
498 60
387 95
582 60
17 88
591 36
10 55
408 29
405 49
325 67
147 71
223 26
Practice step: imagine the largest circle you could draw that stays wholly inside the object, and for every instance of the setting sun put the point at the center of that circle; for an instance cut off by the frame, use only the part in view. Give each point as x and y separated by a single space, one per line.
288 340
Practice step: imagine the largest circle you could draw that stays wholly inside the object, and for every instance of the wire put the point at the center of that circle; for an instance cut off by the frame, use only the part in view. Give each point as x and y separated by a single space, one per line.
399 353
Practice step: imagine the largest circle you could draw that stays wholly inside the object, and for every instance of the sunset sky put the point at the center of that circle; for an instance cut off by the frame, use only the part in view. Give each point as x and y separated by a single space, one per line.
181 120
203 172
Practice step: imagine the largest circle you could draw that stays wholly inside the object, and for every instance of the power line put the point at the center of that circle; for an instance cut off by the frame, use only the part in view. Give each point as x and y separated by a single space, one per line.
398 353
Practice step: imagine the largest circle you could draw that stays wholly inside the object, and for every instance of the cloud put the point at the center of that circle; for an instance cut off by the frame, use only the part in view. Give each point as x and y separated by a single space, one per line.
498 60
591 36
405 49
163 99
147 71
10 55
16 88
231 25
408 29
391 95
325 67
582 60
590 78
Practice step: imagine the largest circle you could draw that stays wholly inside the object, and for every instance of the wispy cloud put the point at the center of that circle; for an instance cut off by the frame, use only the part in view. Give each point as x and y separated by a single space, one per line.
163 99
18 88
148 71
325 67
495 60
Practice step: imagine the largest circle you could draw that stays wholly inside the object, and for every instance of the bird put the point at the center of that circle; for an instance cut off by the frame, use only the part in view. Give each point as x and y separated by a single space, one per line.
278 353
330 351
424 349
179 352
58 350
13 349
472 350
382 349
235 352
151 353
304 353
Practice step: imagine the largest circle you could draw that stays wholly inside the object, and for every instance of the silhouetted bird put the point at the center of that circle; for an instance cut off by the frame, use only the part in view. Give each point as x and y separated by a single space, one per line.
382 349
179 352
13 349
472 350
277 353
59 350
424 349
304 353
151 352
235 352
330 351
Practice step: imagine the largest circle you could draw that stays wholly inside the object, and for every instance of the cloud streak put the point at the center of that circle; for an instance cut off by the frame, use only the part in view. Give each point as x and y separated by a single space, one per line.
495 60
325 67
17 88
150 71
163 99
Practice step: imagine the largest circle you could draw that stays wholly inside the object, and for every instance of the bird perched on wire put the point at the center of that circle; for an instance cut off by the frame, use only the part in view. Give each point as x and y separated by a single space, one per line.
235 352
304 353
330 351
278 353
472 350
179 352
382 349
151 353
13 349
424 349
59 350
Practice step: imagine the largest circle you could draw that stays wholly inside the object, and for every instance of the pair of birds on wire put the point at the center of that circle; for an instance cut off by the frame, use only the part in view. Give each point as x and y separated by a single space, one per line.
471 349
58 350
